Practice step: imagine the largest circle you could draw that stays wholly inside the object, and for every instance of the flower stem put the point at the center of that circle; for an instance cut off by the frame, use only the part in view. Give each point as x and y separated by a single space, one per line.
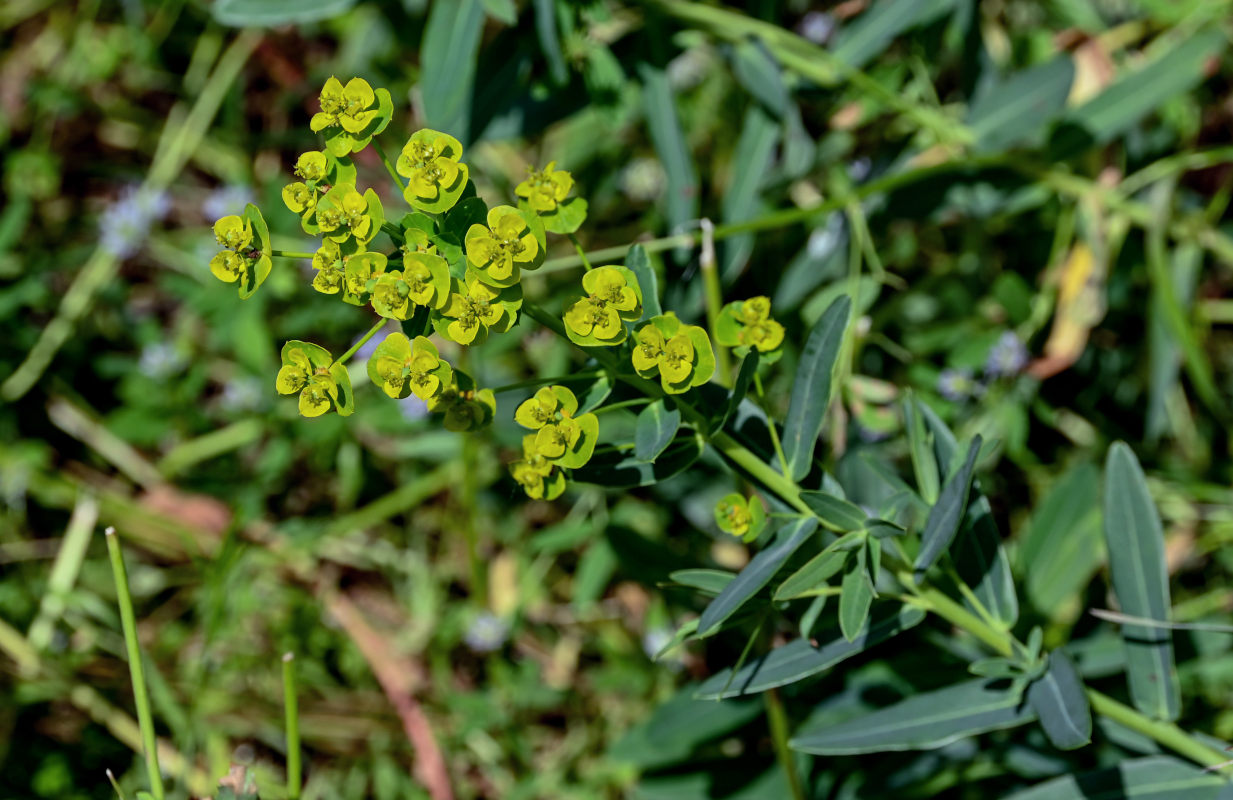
581 253
289 254
141 697
292 710
778 721
389 167
345 357
1166 733
533 382
714 299
770 426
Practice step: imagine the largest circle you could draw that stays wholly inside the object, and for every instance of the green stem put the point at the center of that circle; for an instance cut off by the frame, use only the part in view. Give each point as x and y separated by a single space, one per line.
389 167
714 300
292 710
1165 733
636 401
479 577
289 254
345 357
141 697
770 427
581 253
778 720
534 382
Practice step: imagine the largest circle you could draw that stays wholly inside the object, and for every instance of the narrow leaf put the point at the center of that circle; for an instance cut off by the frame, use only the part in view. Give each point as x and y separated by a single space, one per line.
758 73
639 263
1059 701
1154 777
1018 109
756 574
448 63
612 470
920 447
856 597
549 42
799 659
947 513
813 576
835 512
656 425
923 722
740 387
1135 541
811 391
711 581
270 13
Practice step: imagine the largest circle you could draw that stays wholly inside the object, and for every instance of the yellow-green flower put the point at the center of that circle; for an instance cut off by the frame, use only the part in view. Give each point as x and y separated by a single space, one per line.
401 367
328 263
748 324
545 406
247 257
361 272
228 266
350 107
343 213
680 354
474 308
431 161
545 189
539 478
299 198
234 232
560 437
311 166
613 298
424 281
497 253
739 516
310 370
465 407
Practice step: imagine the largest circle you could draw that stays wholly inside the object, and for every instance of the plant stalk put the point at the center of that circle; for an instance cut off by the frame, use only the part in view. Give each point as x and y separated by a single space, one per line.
345 357
292 711
778 720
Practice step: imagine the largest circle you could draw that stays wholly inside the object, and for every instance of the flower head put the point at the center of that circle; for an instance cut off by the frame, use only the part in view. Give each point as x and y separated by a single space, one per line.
125 224
957 384
401 367
1007 357
465 407
310 371
350 107
247 257
545 189
612 298
680 354
747 324
430 160
539 477
740 516
497 252
487 633
474 308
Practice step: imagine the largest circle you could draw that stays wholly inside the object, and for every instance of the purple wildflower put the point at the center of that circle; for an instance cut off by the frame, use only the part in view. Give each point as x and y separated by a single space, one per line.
957 384
487 633
225 200
1007 357
124 225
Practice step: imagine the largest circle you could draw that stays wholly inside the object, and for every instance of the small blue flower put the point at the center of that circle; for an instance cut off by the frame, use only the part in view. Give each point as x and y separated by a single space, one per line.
816 26
1007 357
225 200
957 384
654 640
124 225
487 633
160 360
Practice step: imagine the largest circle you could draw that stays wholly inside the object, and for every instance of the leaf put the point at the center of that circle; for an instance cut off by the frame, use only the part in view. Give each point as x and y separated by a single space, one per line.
614 470
740 388
756 574
502 11
751 160
872 32
679 725
920 448
1151 778
654 429
711 581
271 13
1060 702
666 135
1062 547
1120 107
639 263
447 65
923 722
856 596
811 391
1135 541
1018 109
758 73
813 576
549 42
835 512
810 618
947 513
799 659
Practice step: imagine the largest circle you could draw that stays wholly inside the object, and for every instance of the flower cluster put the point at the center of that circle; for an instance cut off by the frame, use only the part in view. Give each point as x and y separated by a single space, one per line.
322 383
247 257
613 298
739 516
351 115
547 191
679 354
562 439
747 324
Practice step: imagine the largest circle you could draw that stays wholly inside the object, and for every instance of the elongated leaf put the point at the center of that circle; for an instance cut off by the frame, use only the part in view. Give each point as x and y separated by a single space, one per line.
835 512
811 391
872 32
924 721
549 42
269 13
742 201
978 553
656 425
799 659
612 470
920 448
669 140
856 596
756 574
1135 541
814 575
1062 546
947 513
711 581
1060 703
1018 109
1121 106
758 73
639 263
679 725
1151 778
448 63
740 387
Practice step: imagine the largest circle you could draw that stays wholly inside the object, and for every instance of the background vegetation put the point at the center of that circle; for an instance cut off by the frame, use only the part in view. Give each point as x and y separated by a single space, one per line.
1032 196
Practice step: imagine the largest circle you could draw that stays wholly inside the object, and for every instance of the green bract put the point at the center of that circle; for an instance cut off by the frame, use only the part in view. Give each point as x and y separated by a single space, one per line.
680 354
465 407
498 252
740 517
746 324
613 298
436 176
474 308
545 192
247 257
560 437
362 271
310 370
351 115
344 213
402 367
330 262
319 171
538 476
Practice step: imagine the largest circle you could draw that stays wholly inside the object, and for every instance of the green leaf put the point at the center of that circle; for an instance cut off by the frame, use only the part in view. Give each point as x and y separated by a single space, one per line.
637 262
502 10
835 513
756 574
581 452
874 30
1062 547
447 65
669 140
680 725
549 42
656 426
1060 702
346 397
856 596
758 73
923 722
592 395
272 13
799 659
1151 778
751 160
1018 109
740 387
809 619
614 470
710 581
460 218
1135 541
947 513
813 576
920 448
1133 96
567 217
811 391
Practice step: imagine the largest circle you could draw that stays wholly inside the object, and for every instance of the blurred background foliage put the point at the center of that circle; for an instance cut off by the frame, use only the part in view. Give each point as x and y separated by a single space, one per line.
1034 195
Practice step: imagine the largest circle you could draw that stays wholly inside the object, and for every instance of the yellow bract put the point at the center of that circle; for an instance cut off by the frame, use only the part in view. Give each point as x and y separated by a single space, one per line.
546 189
351 107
